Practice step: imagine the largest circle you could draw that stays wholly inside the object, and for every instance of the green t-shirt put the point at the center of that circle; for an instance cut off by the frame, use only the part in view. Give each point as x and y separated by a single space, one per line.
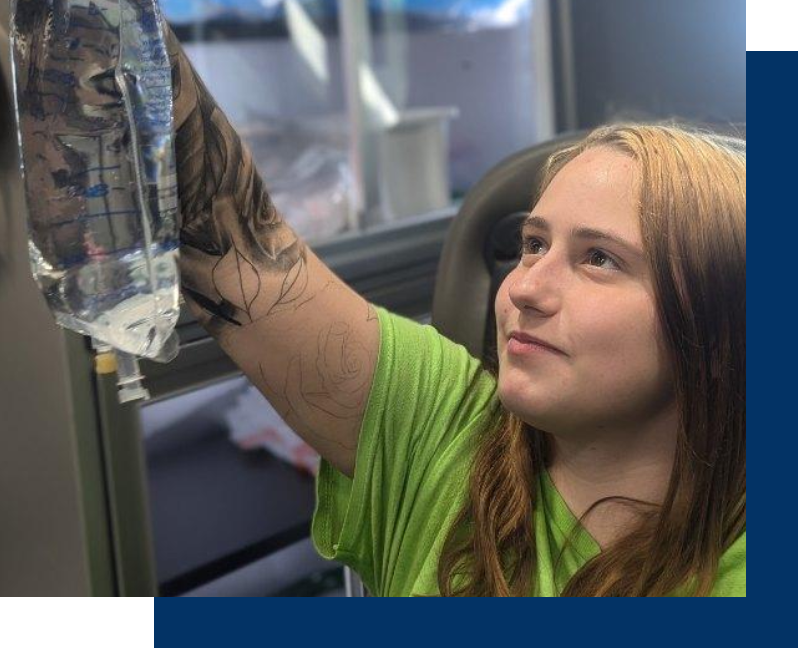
428 403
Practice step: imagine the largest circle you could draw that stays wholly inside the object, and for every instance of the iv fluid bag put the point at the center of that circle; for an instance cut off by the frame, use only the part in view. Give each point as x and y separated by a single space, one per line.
94 110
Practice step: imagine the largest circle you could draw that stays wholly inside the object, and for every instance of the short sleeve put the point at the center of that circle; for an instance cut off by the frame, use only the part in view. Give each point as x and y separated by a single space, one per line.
427 397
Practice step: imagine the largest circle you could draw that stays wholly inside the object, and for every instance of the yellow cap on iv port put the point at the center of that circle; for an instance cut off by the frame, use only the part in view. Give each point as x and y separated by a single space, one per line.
105 363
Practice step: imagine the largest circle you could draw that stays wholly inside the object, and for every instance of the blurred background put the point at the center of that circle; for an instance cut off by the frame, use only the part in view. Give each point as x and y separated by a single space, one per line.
365 113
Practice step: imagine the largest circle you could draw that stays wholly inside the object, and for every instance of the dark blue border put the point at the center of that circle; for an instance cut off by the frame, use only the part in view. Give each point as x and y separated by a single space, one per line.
772 291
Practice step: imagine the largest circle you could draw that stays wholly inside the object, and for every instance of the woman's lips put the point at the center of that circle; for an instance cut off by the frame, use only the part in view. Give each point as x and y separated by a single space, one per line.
517 347
523 343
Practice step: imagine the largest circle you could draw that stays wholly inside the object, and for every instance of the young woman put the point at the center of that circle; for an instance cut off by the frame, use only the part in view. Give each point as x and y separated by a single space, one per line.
606 456
633 275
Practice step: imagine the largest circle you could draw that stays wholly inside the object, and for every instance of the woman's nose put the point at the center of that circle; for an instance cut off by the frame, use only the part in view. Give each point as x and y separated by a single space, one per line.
537 287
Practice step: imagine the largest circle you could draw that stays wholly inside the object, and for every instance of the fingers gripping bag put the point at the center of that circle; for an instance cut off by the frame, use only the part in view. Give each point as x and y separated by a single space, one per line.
94 113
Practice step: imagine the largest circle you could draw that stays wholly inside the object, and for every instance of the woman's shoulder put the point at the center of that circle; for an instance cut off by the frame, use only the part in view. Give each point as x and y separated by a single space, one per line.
730 580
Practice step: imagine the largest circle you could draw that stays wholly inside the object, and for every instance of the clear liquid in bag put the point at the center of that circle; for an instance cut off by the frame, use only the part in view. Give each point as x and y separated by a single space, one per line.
94 112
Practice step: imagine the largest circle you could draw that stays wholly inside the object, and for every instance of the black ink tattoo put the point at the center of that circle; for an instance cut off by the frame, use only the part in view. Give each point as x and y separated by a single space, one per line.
231 235
336 387
241 263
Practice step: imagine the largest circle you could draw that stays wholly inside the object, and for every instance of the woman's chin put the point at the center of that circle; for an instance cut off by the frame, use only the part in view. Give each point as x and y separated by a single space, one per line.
531 406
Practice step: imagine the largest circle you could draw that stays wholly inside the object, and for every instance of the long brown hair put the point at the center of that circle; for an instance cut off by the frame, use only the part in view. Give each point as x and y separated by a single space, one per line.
692 217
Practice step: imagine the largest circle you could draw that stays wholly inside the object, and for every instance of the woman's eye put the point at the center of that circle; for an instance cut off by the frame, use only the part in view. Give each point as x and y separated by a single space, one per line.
530 246
603 258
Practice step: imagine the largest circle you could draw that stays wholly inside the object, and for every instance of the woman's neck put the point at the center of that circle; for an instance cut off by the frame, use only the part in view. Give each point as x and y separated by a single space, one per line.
633 464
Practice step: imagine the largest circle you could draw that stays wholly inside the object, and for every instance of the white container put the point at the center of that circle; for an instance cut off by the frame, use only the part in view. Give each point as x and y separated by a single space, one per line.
413 160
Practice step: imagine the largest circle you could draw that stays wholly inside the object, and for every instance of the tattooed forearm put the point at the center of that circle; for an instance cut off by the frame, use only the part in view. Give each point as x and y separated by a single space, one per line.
299 333
239 260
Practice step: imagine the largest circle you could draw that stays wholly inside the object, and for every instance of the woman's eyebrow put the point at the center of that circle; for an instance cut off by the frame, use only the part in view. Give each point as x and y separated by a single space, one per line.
583 232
